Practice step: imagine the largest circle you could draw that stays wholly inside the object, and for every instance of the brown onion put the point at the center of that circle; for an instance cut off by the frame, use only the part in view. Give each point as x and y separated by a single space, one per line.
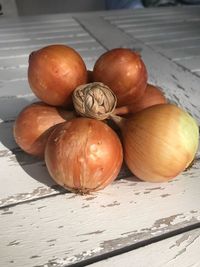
152 96
83 155
159 142
124 72
34 125
54 72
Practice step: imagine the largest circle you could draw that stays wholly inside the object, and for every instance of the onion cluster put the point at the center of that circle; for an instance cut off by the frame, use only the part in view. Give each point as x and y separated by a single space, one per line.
71 129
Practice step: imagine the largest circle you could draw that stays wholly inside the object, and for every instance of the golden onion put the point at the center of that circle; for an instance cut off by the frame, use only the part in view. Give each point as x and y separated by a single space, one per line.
159 142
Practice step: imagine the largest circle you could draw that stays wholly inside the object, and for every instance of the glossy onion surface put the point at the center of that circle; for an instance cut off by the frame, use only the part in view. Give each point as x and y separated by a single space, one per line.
34 124
83 155
124 72
54 72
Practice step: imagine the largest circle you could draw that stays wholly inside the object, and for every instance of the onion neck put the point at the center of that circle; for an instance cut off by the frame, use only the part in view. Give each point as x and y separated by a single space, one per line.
94 100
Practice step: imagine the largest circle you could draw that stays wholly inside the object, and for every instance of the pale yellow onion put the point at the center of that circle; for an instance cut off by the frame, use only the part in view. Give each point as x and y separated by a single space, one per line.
83 155
159 142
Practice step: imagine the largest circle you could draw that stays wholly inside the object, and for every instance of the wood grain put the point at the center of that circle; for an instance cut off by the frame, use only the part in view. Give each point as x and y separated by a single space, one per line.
44 225
180 250
175 35
70 228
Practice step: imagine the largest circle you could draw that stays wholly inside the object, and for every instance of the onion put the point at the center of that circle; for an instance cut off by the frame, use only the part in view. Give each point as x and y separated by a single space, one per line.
152 96
83 155
54 72
94 100
34 124
159 142
124 72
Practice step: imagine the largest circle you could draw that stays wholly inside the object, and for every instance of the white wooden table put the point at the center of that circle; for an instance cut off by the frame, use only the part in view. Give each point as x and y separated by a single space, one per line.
130 223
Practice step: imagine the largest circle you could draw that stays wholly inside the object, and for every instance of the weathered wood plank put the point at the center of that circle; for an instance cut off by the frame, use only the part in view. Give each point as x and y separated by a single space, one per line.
155 24
160 29
62 228
35 42
21 24
170 44
153 20
15 87
152 12
13 73
197 73
70 228
182 52
22 37
18 51
192 63
170 25
39 32
11 106
175 251
186 35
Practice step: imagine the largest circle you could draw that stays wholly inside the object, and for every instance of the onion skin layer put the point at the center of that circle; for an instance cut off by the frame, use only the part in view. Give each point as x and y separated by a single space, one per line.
54 72
159 142
34 125
124 72
152 96
83 155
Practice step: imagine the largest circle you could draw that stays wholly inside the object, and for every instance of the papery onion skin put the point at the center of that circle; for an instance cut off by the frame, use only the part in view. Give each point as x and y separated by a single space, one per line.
94 100
34 124
124 72
83 155
54 72
159 142
153 95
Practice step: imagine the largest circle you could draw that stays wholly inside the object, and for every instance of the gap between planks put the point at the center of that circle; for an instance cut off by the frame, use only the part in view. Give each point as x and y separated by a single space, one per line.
138 245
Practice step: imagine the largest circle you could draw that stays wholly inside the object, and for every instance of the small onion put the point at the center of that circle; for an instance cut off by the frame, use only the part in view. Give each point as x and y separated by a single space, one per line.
124 72
83 155
94 100
54 72
34 125
159 142
152 96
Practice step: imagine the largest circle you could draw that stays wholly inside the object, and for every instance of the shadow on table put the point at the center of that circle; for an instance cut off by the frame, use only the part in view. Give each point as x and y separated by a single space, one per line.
126 174
34 167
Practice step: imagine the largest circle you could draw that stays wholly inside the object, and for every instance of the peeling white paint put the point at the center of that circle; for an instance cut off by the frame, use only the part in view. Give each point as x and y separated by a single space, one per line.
43 225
